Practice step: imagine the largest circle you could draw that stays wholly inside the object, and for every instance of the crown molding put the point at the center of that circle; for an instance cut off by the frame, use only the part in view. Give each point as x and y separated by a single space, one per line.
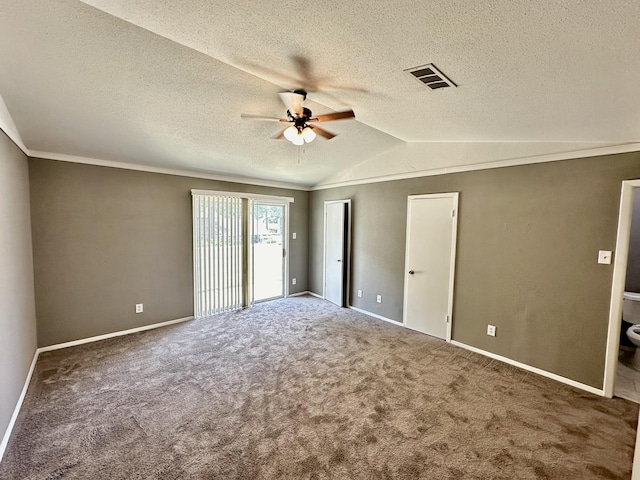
8 127
552 157
162 170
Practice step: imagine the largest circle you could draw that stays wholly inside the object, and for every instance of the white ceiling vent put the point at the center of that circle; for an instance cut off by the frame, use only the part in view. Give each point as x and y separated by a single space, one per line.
431 76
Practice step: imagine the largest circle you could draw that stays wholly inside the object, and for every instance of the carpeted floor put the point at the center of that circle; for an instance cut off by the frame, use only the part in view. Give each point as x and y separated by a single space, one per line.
300 389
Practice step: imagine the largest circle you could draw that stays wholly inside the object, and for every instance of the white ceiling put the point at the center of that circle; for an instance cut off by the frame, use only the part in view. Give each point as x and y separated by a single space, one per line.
163 84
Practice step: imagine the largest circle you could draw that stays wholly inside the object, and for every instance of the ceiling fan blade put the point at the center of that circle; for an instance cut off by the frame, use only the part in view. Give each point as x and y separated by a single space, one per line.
280 136
312 82
333 116
305 71
321 132
293 102
249 116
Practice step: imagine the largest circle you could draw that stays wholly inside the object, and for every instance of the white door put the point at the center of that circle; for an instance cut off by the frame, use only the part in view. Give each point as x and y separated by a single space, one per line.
335 245
429 263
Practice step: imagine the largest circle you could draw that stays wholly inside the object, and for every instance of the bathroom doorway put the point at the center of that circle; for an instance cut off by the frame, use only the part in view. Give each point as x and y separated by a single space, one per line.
622 378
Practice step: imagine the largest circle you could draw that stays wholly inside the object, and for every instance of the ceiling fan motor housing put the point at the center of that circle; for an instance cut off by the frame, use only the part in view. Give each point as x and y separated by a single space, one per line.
301 120
299 91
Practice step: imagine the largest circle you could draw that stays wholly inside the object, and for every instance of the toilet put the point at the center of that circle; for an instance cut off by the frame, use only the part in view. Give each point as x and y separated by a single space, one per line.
631 314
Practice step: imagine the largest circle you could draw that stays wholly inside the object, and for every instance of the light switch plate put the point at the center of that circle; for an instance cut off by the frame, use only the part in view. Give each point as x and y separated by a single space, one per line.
604 256
379 298
294 235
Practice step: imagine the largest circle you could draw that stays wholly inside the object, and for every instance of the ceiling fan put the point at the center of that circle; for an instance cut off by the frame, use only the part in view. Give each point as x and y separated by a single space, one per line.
302 128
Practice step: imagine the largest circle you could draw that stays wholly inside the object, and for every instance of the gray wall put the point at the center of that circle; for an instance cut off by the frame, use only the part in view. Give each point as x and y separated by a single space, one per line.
17 307
633 264
106 239
528 238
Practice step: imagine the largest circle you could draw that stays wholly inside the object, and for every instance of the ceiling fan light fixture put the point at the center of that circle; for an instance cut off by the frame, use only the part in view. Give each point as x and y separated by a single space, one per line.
298 140
291 133
308 134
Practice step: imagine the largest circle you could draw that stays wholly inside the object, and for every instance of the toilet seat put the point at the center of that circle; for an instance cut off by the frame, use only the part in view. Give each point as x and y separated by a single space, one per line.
631 296
633 332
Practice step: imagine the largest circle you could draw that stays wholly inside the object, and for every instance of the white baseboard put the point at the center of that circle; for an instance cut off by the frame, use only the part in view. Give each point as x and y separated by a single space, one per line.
529 368
315 295
375 315
112 335
299 294
16 411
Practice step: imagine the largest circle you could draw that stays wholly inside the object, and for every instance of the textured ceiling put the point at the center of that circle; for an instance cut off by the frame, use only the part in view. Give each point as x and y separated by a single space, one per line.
163 83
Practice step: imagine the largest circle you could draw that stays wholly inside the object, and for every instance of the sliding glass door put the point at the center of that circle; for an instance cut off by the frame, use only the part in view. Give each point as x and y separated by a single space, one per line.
239 250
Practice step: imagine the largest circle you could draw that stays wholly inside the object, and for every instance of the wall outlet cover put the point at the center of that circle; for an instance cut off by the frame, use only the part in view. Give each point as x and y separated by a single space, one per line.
294 235
604 257
139 307
360 293
491 330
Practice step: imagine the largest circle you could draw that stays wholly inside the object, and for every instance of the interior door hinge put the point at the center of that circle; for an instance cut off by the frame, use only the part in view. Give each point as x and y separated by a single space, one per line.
284 253
447 318
453 212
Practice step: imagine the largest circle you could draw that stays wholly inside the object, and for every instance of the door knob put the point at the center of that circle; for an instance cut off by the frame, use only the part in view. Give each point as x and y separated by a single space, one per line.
339 260
411 272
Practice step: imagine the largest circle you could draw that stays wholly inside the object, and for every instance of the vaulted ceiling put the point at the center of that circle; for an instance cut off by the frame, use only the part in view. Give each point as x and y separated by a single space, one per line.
163 84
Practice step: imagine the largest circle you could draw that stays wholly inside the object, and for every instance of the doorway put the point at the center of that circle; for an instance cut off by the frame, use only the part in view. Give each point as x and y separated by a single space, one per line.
337 239
620 263
429 263
268 233
615 374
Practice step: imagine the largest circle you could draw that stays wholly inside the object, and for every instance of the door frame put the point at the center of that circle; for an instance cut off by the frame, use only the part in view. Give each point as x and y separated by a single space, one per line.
620 257
347 264
452 262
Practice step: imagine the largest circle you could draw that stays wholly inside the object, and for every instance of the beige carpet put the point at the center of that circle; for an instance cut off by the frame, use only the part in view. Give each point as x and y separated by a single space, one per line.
300 389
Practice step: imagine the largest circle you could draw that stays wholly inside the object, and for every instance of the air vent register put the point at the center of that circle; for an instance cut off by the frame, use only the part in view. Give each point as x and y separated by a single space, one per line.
431 76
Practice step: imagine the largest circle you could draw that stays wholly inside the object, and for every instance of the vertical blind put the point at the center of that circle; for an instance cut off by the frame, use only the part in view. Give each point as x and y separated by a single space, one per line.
217 253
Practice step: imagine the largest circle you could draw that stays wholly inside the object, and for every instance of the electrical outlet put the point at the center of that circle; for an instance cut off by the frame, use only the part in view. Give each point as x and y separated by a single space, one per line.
139 307
491 330
360 293
293 281
604 256
294 235
379 298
